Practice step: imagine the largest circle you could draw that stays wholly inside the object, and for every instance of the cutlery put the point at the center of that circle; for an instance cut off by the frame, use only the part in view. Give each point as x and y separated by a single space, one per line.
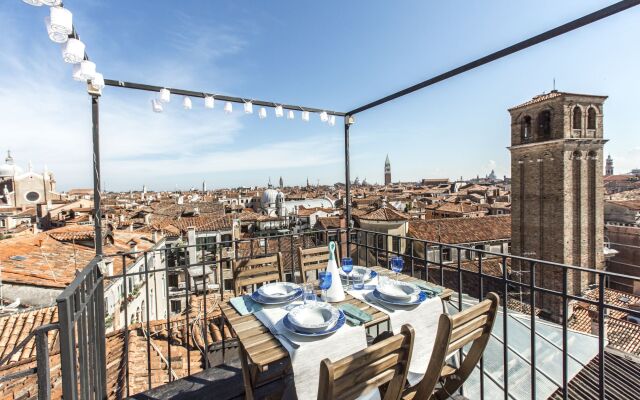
275 332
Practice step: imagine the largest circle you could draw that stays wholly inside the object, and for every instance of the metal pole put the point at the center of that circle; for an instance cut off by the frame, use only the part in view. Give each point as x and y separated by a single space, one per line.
347 122
97 213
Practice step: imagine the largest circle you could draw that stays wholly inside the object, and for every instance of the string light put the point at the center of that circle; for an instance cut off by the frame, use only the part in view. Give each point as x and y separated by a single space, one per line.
262 114
59 24
332 120
186 103
156 105
98 81
209 102
84 71
51 3
305 116
290 115
279 112
228 107
73 51
165 95
324 116
248 107
36 3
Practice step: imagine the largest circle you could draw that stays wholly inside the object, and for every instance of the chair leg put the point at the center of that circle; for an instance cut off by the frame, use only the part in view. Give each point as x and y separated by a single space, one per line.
246 373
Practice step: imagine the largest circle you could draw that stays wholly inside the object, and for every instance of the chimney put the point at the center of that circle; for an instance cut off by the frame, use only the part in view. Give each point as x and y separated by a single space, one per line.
131 227
108 263
594 324
121 218
147 219
133 246
154 236
191 242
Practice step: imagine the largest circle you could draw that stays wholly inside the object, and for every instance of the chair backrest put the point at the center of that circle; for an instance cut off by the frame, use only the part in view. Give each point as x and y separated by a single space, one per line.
386 362
256 271
471 326
312 259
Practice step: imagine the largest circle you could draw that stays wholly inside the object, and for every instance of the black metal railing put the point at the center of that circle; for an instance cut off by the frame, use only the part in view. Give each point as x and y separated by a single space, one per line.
536 288
82 332
42 369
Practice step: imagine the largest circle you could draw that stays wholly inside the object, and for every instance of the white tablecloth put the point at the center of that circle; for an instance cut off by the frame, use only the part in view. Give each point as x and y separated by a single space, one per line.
424 320
306 359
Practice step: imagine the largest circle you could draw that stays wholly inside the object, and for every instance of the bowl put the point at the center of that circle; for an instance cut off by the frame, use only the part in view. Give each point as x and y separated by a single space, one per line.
357 270
398 291
314 317
278 290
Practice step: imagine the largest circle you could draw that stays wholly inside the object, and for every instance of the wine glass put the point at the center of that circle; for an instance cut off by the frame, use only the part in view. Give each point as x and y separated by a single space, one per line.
397 264
325 283
347 267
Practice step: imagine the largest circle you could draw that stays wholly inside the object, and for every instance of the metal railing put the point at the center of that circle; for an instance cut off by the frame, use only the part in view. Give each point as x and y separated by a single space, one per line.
82 335
519 280
42 368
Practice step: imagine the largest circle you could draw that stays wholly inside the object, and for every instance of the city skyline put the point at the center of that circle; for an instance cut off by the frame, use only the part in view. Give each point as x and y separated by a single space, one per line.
464 119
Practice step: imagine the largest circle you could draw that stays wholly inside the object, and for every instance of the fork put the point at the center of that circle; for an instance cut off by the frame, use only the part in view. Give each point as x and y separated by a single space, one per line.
275 332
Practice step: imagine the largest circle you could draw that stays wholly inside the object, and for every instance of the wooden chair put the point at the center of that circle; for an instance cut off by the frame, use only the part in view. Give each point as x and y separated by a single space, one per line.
312 259
472 325
256 271
386 362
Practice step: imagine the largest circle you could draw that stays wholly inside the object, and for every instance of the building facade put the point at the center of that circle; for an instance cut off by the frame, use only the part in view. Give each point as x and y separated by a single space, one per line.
557 187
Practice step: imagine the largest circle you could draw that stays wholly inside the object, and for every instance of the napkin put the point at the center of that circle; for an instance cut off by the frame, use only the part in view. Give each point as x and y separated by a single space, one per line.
355 315
245 305
427 287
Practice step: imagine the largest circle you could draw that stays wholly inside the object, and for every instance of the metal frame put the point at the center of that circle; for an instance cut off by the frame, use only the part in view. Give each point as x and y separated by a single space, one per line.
68 302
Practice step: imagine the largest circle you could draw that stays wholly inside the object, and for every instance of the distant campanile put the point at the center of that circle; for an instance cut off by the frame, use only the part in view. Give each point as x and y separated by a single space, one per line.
387 171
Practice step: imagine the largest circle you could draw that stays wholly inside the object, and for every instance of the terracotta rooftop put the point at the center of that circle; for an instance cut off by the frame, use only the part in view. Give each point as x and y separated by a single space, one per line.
622 334
462 230
384 214
327 223
460 208
14 328
630 204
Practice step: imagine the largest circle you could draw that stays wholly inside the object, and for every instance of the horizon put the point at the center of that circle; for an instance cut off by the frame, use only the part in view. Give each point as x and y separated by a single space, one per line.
456 128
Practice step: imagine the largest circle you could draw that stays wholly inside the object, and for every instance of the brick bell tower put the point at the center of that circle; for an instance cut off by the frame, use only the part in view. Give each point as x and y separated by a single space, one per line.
387 171
557 190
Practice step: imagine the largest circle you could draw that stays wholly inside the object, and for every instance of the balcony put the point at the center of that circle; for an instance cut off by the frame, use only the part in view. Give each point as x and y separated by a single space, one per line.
584 349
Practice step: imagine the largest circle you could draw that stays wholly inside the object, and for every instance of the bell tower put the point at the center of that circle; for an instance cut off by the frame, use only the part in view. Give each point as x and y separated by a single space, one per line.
557 189
387 171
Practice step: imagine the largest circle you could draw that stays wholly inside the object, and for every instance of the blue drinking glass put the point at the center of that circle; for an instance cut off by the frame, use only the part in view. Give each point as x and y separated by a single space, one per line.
325 283
347 267
397 264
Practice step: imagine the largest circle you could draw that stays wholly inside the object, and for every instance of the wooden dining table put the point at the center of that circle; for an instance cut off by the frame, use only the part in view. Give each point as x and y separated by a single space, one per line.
259 349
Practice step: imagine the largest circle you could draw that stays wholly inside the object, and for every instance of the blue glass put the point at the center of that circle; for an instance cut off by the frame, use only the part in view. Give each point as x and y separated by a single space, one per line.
325 282
397 265
347 267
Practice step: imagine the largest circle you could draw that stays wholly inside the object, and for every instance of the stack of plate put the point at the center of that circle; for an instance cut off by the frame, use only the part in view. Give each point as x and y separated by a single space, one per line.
399 293
358 270
314 319
277 293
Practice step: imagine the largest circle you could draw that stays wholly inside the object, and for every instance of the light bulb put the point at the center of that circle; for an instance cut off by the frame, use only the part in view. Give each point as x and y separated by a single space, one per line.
209 102
290 115
186 103
73 51
262 113
228 107
248 107
165 95
156 105
279 112
324 116
305 116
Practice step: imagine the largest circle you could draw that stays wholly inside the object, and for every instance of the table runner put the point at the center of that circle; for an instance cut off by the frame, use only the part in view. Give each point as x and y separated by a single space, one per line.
306 359
423 318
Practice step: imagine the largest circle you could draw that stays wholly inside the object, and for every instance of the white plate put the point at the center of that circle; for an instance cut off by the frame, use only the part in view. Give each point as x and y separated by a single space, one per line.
398 290
314 317
278 290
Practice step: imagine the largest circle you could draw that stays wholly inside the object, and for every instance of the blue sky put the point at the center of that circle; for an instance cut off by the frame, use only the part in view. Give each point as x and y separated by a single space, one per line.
331 54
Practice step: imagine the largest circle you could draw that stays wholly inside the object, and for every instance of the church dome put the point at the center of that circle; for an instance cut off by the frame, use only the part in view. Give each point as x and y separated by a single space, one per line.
269 196
9 170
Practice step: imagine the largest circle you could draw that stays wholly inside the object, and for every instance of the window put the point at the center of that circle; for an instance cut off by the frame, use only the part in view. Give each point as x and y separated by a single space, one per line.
577 118
591 118
380 245
176 306
395 244
526 128
32 196
544 124
446 255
